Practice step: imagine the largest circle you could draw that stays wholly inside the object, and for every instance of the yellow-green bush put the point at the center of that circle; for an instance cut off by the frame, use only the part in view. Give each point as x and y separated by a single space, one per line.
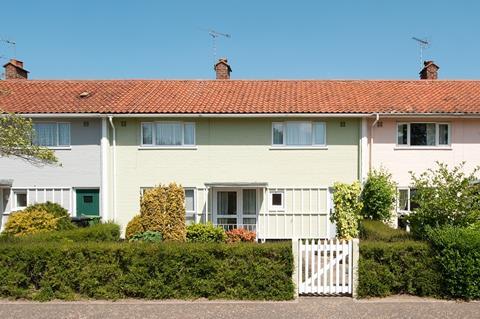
134 227
346 215
30 222
162 209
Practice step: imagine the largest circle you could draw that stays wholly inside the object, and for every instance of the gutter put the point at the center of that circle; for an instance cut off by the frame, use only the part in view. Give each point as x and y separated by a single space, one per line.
114 159
370 152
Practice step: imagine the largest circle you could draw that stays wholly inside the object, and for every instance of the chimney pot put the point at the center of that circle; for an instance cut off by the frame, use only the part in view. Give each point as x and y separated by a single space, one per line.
14 70
429 71
222 69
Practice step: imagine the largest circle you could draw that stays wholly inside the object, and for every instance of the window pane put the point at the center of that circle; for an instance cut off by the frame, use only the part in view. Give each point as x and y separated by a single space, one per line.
249 201
443 134
299 133
422 134
402 130
226 203
319 133
403 199
277 134
227 221
413 204
45 134
169 134
64 134
249 221
189 200
147 134
21 200
277 199
189 134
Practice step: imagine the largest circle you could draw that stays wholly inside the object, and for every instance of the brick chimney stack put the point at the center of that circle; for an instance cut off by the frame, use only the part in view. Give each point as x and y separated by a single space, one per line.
429 71
14 70
222 69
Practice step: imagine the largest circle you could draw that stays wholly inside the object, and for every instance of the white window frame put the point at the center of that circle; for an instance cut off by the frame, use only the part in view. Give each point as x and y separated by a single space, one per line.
15 200
154 135
311 123
57 146
437 135
408 199
194 199
270 201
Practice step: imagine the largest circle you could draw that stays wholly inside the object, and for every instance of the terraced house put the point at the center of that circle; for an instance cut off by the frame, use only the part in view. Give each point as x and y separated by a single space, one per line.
259 154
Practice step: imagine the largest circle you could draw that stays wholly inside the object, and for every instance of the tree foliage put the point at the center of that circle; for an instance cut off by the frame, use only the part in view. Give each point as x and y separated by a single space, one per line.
348 207
378 195
16 134
444 197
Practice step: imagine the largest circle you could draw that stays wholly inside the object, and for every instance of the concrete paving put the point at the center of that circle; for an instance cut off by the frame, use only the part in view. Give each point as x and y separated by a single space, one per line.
305 307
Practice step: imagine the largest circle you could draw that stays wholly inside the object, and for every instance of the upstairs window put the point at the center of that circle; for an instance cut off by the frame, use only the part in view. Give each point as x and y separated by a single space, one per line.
168 134
423 134
296 133
52 134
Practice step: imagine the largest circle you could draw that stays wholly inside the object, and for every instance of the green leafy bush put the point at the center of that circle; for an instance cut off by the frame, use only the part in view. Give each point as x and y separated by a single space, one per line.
377 230
98 233
240 235
457 254
23 223
148 236
60 213
49 270
162 209
205 233
346 215
134 227
406 267
378 195
444 197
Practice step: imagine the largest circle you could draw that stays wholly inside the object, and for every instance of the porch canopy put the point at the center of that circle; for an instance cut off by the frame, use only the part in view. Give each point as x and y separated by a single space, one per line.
238 184
6 183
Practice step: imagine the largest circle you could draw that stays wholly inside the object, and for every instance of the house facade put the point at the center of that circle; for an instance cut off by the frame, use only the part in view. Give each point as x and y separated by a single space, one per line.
261 155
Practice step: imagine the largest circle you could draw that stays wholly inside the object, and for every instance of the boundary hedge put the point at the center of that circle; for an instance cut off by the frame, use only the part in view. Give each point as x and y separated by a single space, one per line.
66 270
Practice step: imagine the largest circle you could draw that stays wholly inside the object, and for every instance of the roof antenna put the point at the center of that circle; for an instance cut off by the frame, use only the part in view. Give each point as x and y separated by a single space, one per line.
423 44
12 43
214 34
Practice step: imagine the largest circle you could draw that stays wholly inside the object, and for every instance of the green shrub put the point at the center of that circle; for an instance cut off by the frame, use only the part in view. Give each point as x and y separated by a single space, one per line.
377 230
134 227
205 233
397 268
346 215
240 235
23 223
162 209
148 236
60 213
98 233
49 270
457 253
444 197
378 195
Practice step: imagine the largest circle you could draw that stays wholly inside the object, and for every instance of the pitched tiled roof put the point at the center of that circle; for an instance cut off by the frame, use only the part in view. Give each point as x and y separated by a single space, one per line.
240 96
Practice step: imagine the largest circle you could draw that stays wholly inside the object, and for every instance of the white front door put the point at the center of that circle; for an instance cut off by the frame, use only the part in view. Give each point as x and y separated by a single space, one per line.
235 208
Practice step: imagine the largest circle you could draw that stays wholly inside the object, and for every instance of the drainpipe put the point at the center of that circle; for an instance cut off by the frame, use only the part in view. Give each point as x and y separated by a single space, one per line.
114 159
104 169
377 118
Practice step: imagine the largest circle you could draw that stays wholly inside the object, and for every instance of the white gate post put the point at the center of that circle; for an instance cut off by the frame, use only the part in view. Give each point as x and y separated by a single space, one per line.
354 266
296 282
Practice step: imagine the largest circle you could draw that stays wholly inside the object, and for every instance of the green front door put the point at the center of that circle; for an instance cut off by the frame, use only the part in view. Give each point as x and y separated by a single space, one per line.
88 202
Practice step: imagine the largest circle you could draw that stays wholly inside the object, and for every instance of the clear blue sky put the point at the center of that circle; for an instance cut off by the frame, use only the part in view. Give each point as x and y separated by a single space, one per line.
88 39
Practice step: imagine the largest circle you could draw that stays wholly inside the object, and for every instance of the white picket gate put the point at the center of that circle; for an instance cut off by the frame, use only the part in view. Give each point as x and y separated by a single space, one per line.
325 266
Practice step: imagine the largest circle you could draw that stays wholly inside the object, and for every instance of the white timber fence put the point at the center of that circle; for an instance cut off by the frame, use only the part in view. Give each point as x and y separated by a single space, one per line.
325 267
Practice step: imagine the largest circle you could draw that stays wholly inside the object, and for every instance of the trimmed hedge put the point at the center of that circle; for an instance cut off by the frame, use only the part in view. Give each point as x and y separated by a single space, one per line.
396 268
457 254
377 230
49 270
98 233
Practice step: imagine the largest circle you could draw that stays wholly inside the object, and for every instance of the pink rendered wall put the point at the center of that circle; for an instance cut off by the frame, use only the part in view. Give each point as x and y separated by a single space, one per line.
465 146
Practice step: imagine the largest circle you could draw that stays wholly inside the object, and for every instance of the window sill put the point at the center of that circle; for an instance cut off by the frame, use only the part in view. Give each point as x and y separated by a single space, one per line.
423 148
60 148
167 147
298 148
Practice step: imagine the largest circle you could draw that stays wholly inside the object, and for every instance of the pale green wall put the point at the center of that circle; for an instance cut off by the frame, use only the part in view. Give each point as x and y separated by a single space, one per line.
232 150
